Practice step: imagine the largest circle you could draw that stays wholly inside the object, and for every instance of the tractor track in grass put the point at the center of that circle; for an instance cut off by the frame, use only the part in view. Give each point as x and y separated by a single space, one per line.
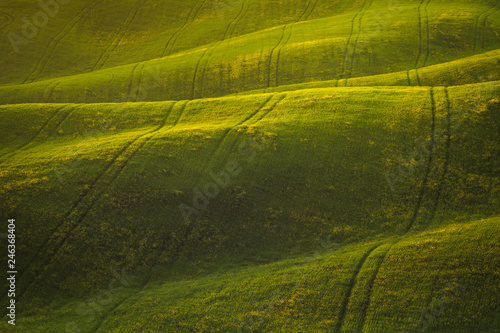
216 153
44 125
106 314
169 47
484 24
476 26
382 258
226 133
245 7
279 54
308 12
429 164
119 35
371 283
139 85
356 41
52 91
428 33
249 119
49 51
429 216
346 51
131 83
446 158
47 87
477 34
148 136
193 85
202 79
350 287
287 30
271 57
280 98
234 22
103 317
73 211
420 38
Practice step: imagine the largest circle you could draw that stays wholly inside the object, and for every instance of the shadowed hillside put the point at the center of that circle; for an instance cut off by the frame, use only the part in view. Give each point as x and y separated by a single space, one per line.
248 165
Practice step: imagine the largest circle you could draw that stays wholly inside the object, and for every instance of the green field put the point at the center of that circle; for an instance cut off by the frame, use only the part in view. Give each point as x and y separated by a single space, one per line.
251 165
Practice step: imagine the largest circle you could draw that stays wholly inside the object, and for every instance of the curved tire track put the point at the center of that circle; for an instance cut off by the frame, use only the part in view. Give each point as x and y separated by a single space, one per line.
350 287
415 67
119 36
193 85
169 47
429 164
371 282
47 100
382 258
477 34
271 57
226 133
45 124
49 51
428 33
357 38
47 87
346 51
483 34
307 11
74 210
446 158
131 83
211 50
245 8
279 54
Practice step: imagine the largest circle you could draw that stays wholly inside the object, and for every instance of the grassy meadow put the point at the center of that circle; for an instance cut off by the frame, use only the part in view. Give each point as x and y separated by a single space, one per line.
251 165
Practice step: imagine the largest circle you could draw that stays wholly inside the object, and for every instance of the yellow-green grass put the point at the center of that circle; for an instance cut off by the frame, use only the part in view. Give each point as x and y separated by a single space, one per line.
149 30
266 166
321 49
444 279
98 187
475 69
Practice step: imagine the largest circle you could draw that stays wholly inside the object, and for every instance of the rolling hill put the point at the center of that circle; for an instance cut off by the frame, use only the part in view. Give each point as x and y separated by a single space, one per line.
252 165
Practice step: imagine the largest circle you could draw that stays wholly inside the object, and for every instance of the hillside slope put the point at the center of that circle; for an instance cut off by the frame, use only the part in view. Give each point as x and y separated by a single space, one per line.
252 165
183 188
374 40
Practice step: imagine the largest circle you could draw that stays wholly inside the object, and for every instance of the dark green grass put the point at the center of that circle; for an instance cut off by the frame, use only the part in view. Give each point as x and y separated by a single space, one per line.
89 206
359 141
